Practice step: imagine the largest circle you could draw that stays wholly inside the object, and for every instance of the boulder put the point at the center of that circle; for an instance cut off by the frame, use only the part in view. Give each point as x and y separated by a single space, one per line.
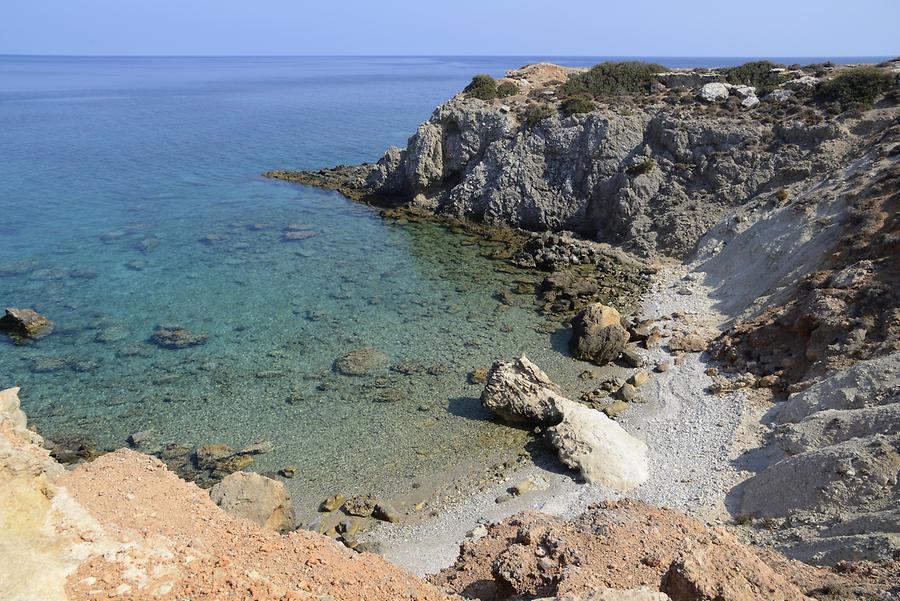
597 334
714 92
587 440
25 323
360 362
599 448
521 392
256 498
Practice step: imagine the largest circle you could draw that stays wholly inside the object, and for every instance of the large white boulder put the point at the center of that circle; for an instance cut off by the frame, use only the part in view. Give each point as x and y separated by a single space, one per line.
587 440
599 448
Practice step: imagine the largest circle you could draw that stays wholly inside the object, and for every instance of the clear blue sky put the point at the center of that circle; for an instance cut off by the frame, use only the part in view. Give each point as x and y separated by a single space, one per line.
511 27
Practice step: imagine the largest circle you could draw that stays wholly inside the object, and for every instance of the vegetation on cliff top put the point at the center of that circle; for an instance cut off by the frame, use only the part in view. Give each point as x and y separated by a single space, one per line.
507 88
482 86
862 85
612 78
759 74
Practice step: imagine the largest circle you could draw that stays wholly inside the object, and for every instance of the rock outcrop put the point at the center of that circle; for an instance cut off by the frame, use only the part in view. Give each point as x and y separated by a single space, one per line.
836 494
261 500
629 545
586 439
650 173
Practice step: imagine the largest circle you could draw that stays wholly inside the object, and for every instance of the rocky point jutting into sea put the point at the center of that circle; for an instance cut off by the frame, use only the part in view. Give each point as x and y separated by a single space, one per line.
739 418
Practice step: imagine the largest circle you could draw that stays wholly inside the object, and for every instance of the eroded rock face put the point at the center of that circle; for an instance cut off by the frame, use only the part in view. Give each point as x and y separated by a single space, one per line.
25 323
254 497
598 335
586 439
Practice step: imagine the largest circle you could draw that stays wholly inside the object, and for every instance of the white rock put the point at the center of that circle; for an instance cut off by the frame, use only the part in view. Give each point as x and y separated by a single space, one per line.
807 82
749 102
599 448
587 440
713 92
779 95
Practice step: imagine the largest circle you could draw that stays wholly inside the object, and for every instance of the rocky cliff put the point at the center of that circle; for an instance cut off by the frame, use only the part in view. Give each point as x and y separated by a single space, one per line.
652 172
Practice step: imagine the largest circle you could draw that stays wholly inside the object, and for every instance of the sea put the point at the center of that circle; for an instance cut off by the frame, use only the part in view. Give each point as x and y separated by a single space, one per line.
131 199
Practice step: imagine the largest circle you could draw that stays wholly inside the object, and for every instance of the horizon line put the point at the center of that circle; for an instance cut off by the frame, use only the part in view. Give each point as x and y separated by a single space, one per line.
705 56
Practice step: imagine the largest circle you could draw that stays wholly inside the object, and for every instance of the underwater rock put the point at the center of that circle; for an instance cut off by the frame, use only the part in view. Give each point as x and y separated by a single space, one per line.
176 337
361 361
17 268
21 324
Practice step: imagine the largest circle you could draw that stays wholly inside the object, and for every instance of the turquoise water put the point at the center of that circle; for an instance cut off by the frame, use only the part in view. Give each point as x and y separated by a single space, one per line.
131 197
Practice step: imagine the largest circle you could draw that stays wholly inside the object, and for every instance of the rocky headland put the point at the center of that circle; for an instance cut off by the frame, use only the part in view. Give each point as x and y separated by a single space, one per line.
724 245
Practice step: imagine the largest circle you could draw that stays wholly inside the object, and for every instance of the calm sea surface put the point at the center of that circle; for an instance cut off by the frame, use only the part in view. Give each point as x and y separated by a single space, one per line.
130 197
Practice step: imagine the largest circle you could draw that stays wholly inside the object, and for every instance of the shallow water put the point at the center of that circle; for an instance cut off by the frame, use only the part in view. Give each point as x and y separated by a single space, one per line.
131 197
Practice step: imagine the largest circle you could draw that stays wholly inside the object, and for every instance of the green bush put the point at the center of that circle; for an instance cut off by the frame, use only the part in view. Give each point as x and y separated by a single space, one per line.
641 168
482 87
612 78
577 104
507 88
756 73
862 85
537 112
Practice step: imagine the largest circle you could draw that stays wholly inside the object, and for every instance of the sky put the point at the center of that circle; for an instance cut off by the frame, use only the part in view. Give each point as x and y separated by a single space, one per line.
757 28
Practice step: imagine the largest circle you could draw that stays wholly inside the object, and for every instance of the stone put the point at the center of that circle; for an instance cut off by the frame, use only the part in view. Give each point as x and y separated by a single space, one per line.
361 362
663 366
256 498
477 533
779 95
333 503
520 391
631 358
361 505
639 378
627 393
478 376
750 101
176 337
597 334
386 512
295 236
288 472
21 324
530 484
691 343
714 92
599 448
611 594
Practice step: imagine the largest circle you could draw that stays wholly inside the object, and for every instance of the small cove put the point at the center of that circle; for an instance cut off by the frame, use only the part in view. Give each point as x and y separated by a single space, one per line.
135 200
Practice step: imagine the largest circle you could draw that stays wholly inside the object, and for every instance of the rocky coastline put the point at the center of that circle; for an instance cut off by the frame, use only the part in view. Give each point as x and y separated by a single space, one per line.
726 258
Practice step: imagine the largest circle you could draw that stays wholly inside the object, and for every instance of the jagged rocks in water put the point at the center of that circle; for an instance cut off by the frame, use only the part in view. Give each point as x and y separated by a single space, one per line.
255 498
361 362
21 324
586 439
176 337
598 335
